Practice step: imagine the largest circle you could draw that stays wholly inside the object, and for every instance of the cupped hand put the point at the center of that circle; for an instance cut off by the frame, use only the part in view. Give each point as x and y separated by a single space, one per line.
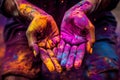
77 34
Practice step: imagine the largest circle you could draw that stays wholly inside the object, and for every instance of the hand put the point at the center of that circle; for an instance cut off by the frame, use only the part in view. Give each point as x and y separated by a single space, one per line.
77 33
42 34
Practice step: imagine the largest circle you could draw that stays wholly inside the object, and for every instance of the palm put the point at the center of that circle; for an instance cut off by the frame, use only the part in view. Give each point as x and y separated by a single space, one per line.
74 35
74 30
49 37
43 35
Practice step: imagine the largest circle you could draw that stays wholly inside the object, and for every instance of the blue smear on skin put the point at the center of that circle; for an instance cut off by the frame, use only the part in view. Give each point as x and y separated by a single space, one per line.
64 59
63 62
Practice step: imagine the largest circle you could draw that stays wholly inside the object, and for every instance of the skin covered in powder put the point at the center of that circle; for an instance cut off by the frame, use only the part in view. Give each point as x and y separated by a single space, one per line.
42 32
77 32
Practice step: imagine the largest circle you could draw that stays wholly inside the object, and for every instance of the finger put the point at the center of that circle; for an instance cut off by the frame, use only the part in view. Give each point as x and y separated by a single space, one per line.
56 39
60 49
49 44
46 60
52 42
65 55
55 50
32 42
31 37
54 60
71 58
42 43
79 55
90 36
35 50
89 47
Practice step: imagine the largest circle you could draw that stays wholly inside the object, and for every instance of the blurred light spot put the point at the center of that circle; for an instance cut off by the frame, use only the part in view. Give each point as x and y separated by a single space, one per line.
62 1
105 28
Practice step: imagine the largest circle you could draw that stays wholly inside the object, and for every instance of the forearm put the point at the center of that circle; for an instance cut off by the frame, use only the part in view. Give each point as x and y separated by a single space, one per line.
23 9
90 6
17 8
101 5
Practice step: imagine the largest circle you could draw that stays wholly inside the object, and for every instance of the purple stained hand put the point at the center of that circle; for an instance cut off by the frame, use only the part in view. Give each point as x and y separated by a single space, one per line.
76 33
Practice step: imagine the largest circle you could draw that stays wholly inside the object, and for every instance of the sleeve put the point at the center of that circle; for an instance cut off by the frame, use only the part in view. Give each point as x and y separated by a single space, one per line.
2 8
103 5
1 3
106 5
5 5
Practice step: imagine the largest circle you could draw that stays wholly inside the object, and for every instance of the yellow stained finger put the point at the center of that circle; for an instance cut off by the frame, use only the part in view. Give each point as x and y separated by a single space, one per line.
52 44
42 44
49 64
48 46
46 60
55 61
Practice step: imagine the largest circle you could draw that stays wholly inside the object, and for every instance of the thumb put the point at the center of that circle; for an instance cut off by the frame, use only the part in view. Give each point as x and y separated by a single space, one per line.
89 47
32 42
35 50
90 36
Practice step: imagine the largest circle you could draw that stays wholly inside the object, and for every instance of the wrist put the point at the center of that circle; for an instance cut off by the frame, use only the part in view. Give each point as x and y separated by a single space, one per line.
88 6
27 10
